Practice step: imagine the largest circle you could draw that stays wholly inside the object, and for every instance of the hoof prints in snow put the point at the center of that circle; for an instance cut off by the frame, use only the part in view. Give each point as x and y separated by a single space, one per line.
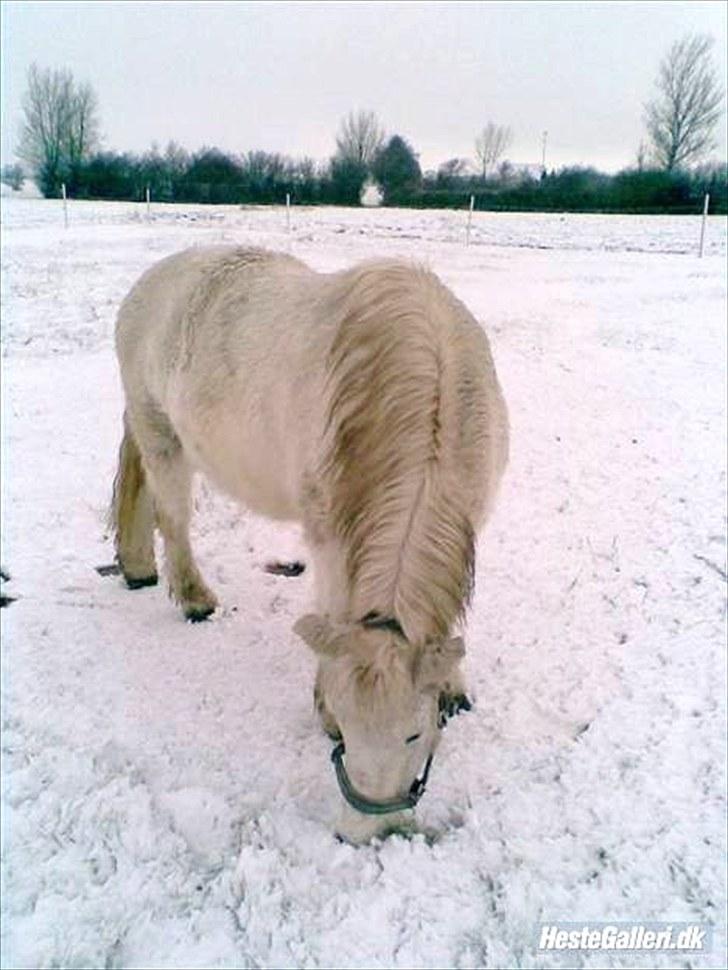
113 569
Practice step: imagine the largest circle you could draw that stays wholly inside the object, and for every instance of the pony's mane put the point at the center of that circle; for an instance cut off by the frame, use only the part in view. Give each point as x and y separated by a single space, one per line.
394 427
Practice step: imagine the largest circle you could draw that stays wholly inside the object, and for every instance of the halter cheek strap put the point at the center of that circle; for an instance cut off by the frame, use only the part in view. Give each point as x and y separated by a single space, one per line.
366 805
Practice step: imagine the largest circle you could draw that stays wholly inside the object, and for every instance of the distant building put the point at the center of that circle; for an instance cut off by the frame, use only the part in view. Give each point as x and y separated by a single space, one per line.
371 195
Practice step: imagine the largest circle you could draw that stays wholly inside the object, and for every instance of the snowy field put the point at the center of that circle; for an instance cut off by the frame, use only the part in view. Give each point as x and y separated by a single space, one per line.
168 798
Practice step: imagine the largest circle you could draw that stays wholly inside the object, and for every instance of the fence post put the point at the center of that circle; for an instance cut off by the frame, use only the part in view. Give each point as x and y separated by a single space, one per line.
706 203
149 199
65 204
470 220
288 211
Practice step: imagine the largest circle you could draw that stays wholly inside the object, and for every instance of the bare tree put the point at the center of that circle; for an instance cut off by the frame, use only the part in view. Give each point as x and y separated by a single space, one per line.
451 172
453 168
60 126
176 159
82 132
360 138
13 176
490 145
681 119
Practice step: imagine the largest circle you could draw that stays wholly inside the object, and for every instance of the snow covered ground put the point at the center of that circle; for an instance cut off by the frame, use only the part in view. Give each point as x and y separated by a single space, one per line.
167 793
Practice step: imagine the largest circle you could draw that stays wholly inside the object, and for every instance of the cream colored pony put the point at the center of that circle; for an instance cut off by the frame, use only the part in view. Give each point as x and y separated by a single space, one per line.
363 404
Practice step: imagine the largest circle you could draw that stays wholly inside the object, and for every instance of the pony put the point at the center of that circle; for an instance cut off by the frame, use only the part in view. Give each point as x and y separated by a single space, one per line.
363 404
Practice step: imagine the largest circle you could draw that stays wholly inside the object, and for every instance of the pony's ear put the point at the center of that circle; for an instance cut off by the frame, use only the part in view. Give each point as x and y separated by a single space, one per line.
437 662
317 632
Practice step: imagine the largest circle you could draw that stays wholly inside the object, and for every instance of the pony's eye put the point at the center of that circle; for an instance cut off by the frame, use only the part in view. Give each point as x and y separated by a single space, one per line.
411 738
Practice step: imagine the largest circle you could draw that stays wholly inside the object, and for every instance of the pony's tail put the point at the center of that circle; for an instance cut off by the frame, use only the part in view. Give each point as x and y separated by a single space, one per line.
128 485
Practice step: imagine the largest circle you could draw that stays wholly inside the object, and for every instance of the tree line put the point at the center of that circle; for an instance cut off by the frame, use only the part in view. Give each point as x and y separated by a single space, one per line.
212 176
60 146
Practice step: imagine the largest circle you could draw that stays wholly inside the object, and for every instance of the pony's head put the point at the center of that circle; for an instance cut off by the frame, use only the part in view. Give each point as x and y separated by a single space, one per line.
381 697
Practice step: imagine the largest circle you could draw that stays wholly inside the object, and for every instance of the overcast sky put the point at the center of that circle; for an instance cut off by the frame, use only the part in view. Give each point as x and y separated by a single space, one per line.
280 76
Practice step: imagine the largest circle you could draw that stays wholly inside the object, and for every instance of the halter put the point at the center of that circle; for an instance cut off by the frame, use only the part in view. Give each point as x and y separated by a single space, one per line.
373 621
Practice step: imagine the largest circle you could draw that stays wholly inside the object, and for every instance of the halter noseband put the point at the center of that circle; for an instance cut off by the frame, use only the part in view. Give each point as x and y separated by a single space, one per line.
366 805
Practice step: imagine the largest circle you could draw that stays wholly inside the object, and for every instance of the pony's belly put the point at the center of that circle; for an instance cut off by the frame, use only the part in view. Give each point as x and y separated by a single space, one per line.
262 485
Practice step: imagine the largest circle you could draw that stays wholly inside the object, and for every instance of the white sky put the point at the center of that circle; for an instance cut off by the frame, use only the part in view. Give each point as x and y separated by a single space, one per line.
280 76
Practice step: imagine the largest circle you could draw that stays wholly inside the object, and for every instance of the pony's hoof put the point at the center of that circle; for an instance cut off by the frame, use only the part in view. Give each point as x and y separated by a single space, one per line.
462 703
199 613
451 704
285 568
133 582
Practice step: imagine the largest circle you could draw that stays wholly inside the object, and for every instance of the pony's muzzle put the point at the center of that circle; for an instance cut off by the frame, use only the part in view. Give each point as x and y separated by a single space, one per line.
356 829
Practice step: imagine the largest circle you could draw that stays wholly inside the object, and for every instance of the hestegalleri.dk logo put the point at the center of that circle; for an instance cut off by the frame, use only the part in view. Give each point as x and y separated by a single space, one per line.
688 937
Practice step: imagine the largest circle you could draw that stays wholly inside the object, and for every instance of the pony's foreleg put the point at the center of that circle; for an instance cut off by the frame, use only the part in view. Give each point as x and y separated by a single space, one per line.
170 478
329 572
327 557
132 515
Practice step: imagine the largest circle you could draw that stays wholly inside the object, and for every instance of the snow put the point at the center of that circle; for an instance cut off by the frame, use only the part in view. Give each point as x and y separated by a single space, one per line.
168 797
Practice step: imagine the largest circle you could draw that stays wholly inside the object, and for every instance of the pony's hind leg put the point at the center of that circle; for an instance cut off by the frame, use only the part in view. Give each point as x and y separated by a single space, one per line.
132 514
170 478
